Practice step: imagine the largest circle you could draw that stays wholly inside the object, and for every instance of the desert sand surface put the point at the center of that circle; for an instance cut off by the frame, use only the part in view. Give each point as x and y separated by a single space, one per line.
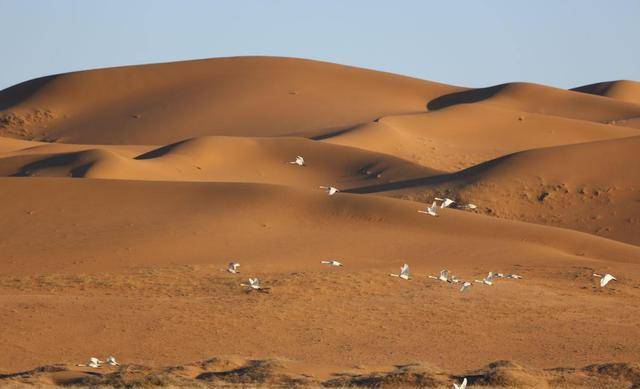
125 192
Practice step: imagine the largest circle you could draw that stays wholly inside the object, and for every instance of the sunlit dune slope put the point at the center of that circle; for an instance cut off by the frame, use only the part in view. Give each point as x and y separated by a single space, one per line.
239 96
464 135
590 187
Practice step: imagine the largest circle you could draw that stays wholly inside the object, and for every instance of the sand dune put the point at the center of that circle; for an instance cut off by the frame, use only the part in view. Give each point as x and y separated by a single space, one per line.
222 159
124 193
591 187
243 96
622 90
535 98
464 135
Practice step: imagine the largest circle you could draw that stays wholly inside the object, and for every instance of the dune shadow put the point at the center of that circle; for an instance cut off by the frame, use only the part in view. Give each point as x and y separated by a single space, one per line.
464 97
18 93
465 174
161 151
55 161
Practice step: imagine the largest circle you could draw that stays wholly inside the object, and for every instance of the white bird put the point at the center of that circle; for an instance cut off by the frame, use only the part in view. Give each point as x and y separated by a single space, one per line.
514 276
331 263
233 267
465 286
93 362
444 276
446 202
488 280
404 273
463 385
254 284
299 161
331 190
604 279
112 361
470 206
432 210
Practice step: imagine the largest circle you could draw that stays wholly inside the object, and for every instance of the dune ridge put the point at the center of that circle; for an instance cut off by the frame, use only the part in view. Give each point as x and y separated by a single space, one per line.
626 90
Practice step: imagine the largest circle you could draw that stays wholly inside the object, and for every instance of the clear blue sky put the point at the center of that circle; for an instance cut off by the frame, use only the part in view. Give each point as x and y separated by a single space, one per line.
564 43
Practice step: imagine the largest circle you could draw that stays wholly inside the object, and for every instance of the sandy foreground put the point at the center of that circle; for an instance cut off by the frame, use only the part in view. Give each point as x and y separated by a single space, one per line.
125 192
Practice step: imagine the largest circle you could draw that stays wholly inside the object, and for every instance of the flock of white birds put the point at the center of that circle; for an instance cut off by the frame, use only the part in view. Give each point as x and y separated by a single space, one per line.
445 276
97 363
405 274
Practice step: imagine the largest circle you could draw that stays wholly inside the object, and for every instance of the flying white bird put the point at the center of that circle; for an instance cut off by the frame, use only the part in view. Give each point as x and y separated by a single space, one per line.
446 202
331 190
514 276
488 280
463 385
604 279
432 210
299 161
93 362
331 263
465 286
233 267
444 276
254 284
112 361
404 273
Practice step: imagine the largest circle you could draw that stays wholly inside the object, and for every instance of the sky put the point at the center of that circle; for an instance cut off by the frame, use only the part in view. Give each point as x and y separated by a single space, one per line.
564 43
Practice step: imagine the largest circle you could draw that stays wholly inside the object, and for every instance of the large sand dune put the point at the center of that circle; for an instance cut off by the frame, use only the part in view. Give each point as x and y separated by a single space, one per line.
125 192
246 96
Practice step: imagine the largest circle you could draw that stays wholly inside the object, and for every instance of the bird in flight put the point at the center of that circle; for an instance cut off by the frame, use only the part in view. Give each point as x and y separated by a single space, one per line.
604 279
331 190
404 273
488 280
112 361
331 263
514 276
254 284
93 362
432 210
463 385
465 286
446 202
444 276
299 161
233 267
